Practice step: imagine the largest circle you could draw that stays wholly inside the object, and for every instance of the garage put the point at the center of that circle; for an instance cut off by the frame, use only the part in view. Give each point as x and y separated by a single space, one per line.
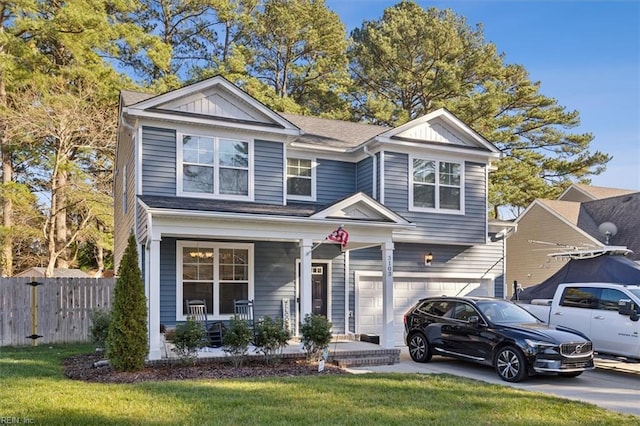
406 291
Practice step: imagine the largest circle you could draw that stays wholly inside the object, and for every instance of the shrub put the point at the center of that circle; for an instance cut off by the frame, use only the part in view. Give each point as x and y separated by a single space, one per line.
236 339
316 335
187 338
270 338
127 340
99 329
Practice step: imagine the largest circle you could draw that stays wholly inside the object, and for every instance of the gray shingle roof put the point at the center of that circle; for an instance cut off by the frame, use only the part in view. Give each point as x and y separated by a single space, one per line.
207 205
130 97
623 211
333 133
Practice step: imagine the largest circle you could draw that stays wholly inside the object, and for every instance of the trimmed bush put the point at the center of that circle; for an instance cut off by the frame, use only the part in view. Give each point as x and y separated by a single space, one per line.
99 329
187 338
316 336
270 338
127 340
236 340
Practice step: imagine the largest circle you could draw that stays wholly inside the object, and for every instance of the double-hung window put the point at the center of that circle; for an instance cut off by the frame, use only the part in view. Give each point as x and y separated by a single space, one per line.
300 179
436 185
217 273
214 166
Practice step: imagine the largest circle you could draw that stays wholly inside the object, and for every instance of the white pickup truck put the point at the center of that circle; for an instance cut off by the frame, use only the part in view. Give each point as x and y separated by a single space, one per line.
607 313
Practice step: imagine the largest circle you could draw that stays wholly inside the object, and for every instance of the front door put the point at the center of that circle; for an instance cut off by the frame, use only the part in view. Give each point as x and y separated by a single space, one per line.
319 289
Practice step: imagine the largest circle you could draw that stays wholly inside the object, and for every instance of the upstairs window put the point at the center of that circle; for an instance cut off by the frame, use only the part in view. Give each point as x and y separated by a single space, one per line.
300 179
436 185
215 166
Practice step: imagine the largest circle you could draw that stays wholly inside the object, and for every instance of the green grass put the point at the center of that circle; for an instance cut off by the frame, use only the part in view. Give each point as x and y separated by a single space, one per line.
34 388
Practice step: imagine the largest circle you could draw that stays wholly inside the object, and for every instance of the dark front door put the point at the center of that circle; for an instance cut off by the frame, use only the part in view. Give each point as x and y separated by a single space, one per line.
319 289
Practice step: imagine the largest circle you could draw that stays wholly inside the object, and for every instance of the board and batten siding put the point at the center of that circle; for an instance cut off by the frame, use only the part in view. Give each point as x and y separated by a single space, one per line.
334 180
269 174
125 174
158 161
469 228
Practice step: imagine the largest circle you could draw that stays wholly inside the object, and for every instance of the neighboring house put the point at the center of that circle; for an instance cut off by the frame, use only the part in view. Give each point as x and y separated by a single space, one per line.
570 223
231 200
38 272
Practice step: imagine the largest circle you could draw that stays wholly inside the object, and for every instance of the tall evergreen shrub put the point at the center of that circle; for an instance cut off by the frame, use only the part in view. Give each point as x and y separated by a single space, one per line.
127 340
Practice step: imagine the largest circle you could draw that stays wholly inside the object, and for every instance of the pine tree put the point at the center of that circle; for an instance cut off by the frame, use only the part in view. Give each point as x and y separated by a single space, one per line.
127 340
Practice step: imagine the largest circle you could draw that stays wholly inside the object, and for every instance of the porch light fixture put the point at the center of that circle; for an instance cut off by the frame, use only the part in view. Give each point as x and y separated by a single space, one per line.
428 258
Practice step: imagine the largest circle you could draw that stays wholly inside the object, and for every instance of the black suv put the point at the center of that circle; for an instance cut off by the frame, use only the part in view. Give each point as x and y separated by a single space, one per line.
497 333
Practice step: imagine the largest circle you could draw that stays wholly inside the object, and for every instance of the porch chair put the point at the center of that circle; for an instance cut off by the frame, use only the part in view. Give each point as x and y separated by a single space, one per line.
197 310
243 310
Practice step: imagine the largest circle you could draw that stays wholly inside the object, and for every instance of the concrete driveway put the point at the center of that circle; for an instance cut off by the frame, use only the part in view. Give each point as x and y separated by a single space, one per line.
609 386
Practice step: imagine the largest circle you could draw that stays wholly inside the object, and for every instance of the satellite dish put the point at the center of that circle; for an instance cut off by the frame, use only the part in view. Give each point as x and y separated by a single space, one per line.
608 229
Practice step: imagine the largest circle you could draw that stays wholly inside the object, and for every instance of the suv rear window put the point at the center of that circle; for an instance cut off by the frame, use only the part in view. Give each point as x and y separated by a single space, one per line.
438 308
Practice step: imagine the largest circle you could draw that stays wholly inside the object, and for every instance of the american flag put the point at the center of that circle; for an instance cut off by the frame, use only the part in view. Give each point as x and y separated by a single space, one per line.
339 235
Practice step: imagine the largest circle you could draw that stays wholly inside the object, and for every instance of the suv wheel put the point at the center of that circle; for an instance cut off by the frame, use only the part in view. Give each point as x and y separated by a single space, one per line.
510 364
419 348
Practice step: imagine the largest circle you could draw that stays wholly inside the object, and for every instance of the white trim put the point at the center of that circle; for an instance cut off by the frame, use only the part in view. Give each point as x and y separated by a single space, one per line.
328 264
139 108
381 178
180 244
216 137
436 185
450 120
314 167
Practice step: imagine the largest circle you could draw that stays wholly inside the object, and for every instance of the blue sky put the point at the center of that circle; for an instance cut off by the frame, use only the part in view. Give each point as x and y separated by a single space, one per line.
586 54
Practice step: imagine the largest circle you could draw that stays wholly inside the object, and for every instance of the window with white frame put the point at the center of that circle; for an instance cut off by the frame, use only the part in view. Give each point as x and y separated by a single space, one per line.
217 273
436 185
300 178
215 166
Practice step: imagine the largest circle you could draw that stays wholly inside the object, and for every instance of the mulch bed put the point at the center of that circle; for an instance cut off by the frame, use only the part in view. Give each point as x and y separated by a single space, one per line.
80 367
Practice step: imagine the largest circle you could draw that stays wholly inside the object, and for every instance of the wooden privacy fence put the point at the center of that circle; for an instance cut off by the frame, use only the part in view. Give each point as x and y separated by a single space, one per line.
57 309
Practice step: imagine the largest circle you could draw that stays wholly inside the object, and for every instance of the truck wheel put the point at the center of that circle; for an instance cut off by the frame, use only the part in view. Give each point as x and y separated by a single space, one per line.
510 364
419 348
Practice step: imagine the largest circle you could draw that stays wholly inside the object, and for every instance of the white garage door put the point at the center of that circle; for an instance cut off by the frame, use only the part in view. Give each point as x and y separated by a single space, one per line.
406 292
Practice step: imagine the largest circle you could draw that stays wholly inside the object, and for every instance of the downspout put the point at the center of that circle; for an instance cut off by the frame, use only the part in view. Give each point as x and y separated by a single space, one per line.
375 171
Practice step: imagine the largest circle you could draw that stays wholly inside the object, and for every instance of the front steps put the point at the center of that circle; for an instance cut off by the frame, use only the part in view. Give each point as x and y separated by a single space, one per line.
366 358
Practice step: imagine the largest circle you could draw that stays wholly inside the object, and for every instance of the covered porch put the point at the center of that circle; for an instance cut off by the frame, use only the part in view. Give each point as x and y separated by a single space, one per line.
304 232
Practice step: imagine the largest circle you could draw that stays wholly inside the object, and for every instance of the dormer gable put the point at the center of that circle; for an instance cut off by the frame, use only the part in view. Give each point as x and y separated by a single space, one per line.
443 131
360 206
212 101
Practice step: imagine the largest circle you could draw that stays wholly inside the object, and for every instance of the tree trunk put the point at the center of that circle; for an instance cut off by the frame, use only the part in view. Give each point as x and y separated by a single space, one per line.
60 222
6 250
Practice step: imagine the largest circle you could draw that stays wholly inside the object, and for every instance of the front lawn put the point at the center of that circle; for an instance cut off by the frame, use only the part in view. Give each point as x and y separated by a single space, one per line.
35 391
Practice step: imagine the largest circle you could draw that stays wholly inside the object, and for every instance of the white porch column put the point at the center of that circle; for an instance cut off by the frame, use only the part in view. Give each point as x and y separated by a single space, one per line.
305 278
152 287
387 341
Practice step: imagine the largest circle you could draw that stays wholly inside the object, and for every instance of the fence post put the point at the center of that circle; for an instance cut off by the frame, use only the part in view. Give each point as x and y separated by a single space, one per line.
34 313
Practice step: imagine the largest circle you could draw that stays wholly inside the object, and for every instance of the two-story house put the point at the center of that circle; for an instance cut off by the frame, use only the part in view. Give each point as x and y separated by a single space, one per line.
231 200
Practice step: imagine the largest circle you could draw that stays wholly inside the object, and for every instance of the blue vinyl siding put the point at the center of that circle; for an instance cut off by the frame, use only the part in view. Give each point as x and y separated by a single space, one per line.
469 228
158 161
269 174
334 180
275 279
364 176
168 281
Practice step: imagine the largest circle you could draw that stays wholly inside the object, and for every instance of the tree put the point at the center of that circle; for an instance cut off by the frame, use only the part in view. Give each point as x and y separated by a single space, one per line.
300 52
413 61
127 339
51 49
73 138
